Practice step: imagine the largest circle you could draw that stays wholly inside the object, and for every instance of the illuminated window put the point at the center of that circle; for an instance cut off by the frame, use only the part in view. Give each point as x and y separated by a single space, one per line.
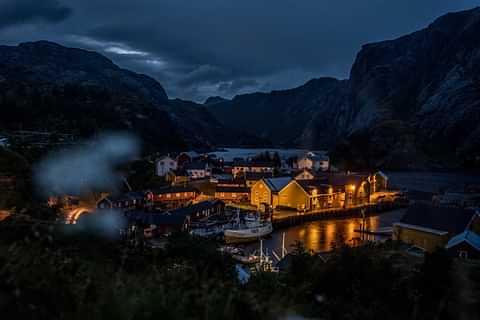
178 195
169 195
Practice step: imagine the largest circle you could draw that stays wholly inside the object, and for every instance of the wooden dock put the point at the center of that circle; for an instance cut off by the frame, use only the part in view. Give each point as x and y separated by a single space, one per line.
298 218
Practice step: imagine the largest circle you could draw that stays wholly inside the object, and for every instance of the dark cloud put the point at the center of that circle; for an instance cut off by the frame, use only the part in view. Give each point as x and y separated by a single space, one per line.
14 12
201 48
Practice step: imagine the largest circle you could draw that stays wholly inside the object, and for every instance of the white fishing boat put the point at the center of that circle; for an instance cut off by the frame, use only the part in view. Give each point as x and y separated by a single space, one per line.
247 230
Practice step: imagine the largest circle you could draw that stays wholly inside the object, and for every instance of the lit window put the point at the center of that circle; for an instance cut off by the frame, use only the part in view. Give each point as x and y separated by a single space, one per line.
178 195
169 195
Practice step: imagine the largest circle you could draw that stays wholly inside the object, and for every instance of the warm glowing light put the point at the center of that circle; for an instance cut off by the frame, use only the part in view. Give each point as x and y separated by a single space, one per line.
351 187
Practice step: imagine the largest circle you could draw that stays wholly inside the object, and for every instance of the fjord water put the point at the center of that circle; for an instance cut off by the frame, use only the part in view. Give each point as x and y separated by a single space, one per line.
320 235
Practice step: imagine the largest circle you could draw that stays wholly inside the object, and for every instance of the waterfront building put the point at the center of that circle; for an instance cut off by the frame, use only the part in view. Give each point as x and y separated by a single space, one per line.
466 245
429 227
232 193
174 196
265 191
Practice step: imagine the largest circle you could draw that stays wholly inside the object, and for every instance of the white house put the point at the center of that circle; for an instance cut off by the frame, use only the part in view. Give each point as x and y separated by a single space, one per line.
198 170
164 165
314 161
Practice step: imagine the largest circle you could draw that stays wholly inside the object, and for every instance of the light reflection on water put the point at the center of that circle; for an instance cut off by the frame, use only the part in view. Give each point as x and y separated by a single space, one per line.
319 235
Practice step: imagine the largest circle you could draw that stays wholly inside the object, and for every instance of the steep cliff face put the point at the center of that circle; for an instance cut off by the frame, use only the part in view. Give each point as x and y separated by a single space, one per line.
428 82
408 101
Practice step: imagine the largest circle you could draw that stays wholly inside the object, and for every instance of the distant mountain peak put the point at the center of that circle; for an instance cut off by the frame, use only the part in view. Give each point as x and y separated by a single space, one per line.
214 100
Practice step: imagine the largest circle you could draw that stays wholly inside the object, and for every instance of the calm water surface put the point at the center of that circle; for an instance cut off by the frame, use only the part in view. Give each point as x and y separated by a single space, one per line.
319 235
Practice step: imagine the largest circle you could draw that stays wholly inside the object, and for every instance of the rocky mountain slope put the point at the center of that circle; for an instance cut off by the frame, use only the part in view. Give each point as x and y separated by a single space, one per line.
45 86
407 102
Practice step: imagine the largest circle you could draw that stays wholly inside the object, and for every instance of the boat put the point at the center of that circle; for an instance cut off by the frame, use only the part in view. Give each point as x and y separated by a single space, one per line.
240 255
247 230
207 232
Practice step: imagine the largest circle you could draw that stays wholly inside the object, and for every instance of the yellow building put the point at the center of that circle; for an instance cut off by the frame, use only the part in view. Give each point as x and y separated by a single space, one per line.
429 227
266 191
299 195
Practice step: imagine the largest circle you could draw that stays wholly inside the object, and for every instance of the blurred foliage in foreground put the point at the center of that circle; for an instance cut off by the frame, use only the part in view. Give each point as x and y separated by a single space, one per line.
48 273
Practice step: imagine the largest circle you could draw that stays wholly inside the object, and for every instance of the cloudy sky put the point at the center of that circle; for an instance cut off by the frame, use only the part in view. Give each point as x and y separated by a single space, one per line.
199 48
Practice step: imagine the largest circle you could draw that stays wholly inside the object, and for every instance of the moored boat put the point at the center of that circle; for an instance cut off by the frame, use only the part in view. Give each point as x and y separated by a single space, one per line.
249 230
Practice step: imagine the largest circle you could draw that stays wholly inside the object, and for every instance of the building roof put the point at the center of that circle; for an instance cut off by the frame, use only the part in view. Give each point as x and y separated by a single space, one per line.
165 157
258 164
277 184
467 236
156 218
188 211
173 189
345 179
232 189
445 219
125 197
310 185
255 176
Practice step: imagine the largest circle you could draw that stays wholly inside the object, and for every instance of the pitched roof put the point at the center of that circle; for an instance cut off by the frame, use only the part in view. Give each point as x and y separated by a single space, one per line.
258 164
277 184
467 236
447 219
310 185
156 218
258 175
232 189
345 179
173 189
188 211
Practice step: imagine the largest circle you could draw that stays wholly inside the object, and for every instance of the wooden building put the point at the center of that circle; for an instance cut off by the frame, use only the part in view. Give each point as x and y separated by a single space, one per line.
242 167
430 227
174 196
466 245
314 161
158 223
126 201
232 193
164 165
201 210
265 192
253 177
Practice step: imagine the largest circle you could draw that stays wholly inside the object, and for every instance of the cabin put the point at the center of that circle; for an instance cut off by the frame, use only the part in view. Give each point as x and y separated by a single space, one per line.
314 161
159 224
430 227
187 157
126 201
466 245
164 165
197 170
241 167
231 183
174 196
201 210
265 192
232 193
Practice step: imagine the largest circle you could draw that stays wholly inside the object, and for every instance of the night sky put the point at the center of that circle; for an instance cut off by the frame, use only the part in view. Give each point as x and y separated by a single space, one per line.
199 48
